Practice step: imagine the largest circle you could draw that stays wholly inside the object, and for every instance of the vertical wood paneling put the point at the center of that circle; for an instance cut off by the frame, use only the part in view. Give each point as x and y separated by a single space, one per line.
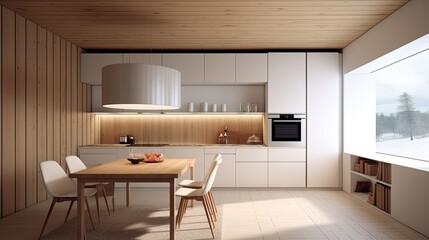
79 102
50 96
31 114
69 138
57 98
41 106
8 112
1 160
74 89
63 104
20 113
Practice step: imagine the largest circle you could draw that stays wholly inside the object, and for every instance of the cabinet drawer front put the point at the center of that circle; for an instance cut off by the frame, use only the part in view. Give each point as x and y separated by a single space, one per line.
286 174
251 155
286 154
251 174
219 150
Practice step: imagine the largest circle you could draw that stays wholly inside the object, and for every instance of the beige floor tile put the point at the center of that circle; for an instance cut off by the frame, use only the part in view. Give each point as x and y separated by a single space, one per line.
249 214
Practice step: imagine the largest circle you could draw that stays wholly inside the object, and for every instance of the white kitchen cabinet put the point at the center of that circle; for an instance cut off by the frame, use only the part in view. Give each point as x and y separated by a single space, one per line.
286 83
225 176
251 174
251 68
281 154
286 167
251 167
323 119
190 65
219 68
286 174
181 152
251 154
92 63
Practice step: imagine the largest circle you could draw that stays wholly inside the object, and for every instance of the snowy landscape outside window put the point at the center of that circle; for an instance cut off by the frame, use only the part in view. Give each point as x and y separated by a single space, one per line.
402 110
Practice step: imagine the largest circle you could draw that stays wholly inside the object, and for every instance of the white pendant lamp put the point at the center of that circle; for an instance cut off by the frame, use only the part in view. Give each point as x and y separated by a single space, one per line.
137 86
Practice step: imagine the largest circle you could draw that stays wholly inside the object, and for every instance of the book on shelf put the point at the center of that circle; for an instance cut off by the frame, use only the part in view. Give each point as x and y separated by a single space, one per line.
366 166
363 186
371 198
384 172
382 197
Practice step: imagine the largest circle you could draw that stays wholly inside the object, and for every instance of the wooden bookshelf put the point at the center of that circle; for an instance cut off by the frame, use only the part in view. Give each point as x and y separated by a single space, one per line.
379 194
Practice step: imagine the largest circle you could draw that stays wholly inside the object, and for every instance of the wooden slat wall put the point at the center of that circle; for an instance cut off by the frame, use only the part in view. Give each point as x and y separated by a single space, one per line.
8 112
20 112
179 129
44 108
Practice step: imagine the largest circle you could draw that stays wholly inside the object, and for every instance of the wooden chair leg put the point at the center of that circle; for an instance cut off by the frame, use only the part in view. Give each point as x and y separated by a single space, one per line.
105 198
186 205
211 207
68 212
212 217
208 215
89 213
113 203
96 201
54 200
180 213
212 199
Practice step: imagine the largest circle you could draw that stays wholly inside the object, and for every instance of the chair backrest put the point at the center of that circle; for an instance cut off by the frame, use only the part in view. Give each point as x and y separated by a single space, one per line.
55 179
212 176
74 164
210 168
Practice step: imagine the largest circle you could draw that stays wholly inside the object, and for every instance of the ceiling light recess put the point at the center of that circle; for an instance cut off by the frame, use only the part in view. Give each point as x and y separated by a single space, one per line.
137 86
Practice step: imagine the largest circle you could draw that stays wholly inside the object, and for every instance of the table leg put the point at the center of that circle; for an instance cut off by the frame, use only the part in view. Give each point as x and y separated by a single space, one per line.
191 176
80 210
128 194
172 209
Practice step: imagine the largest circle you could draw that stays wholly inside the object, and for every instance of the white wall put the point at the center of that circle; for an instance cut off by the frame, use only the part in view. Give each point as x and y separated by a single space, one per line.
403 26
359 114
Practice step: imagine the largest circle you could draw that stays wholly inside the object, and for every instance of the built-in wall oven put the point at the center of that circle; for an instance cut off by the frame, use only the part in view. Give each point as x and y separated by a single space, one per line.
286 130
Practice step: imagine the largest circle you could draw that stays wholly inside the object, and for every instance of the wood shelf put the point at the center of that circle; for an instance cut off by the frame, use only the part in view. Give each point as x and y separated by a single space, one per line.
380 188
372 178
179 113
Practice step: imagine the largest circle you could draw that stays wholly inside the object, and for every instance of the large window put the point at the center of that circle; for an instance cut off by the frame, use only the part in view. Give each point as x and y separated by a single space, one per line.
402 107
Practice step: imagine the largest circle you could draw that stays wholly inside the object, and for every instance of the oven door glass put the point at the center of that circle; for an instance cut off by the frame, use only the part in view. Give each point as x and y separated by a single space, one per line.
286 130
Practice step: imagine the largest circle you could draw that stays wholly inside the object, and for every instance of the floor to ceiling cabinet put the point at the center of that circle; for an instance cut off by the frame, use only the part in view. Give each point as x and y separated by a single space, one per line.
323 119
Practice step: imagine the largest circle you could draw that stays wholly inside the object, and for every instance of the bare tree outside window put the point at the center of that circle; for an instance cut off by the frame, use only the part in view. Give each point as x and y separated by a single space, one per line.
402 107
406 115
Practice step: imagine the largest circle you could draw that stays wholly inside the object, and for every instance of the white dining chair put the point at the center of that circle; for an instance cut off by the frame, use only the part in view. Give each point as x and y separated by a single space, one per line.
74 164
200 194
188 183
61 188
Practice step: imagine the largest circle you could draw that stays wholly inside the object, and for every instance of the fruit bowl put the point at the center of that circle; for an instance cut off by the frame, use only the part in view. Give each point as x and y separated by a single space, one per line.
153 158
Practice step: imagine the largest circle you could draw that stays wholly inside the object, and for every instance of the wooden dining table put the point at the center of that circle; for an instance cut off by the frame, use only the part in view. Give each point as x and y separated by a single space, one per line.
122 170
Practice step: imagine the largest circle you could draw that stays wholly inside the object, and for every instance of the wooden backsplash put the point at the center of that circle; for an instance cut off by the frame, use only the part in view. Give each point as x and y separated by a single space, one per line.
179 129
